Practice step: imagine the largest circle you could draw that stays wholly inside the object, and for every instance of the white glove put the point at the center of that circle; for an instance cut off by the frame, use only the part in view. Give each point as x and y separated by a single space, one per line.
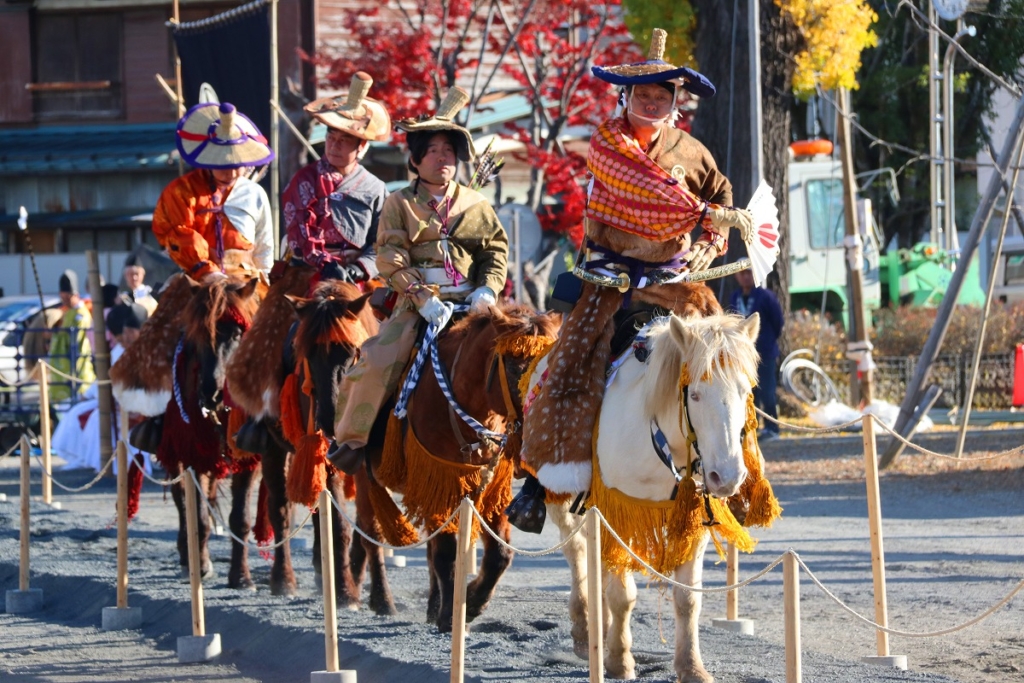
436 312
481 299
215 275
724 218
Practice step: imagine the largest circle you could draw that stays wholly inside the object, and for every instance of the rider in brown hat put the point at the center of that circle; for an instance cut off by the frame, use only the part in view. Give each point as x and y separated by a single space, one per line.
332 206
439 242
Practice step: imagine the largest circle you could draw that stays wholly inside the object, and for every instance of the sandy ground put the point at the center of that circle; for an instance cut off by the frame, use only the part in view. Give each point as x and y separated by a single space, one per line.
954 545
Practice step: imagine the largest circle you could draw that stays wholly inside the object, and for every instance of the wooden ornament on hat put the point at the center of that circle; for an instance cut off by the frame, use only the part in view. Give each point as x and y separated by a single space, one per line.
657 49
454 101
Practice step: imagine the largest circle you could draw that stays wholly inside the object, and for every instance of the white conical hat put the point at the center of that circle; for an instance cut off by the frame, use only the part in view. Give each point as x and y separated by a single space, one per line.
213 135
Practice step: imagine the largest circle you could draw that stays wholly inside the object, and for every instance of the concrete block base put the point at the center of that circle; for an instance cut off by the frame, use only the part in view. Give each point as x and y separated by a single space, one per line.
346 676
24 602
394 561
194 649
55 505
3 497
735 625
121 618
898 661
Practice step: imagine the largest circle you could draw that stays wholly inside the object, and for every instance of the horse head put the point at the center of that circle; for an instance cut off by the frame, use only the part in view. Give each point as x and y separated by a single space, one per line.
689 381
504 341
219 312
333 323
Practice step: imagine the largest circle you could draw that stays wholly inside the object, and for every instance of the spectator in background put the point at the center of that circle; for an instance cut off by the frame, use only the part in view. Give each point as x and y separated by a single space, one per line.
137 290
746 301
70 350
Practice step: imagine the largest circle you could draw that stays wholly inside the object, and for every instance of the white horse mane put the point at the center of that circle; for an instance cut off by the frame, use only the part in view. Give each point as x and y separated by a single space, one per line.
706 341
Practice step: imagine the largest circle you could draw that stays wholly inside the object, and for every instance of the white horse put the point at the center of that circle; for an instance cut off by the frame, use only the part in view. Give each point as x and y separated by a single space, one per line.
717 354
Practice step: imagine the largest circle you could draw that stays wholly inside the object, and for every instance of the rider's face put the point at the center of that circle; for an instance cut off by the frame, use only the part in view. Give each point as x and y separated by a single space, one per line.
438 164
652 102
226 177
342 150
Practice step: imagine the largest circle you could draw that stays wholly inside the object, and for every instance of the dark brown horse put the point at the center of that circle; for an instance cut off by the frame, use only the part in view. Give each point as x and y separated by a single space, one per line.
333 323
195 421
435 459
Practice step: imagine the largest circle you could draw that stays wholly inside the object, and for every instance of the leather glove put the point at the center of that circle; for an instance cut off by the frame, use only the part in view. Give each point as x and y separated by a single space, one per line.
701 254
723 218
332 270
435 312
481 299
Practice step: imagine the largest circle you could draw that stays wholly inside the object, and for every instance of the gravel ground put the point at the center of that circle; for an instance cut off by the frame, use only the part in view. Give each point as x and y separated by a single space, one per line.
953 540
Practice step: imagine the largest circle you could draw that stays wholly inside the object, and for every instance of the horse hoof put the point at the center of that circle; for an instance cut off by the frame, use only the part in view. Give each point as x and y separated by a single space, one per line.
383 608
624 670
696 676
287 590
581 649
243 584
444 624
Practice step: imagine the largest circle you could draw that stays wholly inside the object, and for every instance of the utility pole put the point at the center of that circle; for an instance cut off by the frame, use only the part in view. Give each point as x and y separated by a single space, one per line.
858 348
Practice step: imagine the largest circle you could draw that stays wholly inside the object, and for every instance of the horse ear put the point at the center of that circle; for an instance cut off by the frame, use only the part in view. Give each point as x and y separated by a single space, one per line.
751 326
249 288
297 302
680 334
193 284
359 304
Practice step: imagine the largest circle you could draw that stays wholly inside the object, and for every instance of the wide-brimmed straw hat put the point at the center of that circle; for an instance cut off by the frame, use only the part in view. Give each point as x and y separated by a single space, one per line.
353 112
656 70
212 135
444 119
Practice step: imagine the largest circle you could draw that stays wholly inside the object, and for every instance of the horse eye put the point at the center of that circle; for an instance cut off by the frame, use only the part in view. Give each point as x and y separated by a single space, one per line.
694 397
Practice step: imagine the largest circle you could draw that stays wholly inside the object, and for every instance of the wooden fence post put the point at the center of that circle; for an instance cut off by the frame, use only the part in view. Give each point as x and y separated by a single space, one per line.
122 616
200 646
44 430
732 621
791 598
595 594
465 539
25 599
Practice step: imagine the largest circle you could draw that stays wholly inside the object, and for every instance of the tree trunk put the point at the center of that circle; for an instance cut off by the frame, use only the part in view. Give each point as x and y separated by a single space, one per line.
779 41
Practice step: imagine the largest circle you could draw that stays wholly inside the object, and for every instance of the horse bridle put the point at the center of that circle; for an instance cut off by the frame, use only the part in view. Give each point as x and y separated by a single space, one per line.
661 446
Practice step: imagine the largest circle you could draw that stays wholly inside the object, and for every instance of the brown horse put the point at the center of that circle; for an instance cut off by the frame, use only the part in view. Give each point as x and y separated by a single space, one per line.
207 321
333 323
435 460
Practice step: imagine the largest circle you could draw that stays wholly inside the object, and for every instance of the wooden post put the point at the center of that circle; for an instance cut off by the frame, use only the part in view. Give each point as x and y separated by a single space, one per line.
122 525
44 430
595 593
25 495
101 357
459 607
327 579
471 567
275 133
194 560
791 597
732 575
875 522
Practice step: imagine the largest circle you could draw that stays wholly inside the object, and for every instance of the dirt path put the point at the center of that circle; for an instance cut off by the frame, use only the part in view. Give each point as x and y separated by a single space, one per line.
954 542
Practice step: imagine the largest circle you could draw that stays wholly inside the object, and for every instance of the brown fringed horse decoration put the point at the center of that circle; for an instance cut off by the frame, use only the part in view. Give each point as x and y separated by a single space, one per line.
435 460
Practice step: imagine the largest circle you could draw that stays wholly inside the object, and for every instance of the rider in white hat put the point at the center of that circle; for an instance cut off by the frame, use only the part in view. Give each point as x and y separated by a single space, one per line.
214 218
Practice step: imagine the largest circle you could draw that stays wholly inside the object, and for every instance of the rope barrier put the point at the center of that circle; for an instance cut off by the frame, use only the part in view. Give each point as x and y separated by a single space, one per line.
73 489
11 450
387 546
220 520
527 553
158 482
33 379
908 634
920 449
72 378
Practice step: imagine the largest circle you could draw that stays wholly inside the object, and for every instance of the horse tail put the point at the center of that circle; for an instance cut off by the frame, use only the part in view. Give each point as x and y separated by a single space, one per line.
394 526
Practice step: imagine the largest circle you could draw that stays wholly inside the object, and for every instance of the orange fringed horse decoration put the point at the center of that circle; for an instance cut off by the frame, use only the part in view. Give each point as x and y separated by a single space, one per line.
429 463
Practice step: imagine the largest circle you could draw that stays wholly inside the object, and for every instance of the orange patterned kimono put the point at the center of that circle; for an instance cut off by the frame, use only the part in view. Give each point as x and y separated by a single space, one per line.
185 223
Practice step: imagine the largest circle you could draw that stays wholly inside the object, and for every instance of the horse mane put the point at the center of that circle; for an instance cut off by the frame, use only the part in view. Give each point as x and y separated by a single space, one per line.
208 305
717 349
326 318
512 322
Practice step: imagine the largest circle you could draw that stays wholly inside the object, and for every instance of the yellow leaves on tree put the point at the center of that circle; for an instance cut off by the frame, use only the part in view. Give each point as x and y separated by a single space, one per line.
835 32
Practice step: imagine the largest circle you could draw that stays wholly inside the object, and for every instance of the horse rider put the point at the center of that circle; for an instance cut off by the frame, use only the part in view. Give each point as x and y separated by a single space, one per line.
332 206
439 241
652 185
214 218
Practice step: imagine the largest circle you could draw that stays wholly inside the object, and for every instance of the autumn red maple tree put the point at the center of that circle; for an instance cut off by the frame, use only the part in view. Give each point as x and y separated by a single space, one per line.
416 51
